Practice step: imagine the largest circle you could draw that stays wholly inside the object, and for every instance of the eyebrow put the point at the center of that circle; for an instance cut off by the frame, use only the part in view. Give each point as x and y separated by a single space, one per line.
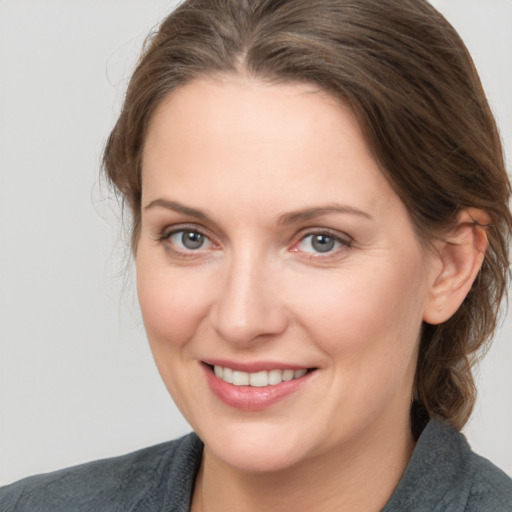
284 219
319 211
177 207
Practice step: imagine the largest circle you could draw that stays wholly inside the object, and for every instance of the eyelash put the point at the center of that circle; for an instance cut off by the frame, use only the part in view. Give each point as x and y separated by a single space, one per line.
167 235
340 242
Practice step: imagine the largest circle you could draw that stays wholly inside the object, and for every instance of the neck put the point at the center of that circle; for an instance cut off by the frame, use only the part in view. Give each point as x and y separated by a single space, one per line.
361 478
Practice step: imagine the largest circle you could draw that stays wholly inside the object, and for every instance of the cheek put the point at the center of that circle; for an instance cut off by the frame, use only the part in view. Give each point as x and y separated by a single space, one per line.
374 309
368 331
173 305
173 302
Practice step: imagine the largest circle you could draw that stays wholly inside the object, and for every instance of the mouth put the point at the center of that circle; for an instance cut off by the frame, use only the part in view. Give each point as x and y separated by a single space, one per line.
256 385
259 379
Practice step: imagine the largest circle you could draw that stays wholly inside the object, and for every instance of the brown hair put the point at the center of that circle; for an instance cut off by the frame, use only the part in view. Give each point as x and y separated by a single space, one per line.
410 81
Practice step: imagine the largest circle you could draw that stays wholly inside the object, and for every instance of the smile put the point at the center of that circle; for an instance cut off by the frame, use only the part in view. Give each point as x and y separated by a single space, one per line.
254 386
257 379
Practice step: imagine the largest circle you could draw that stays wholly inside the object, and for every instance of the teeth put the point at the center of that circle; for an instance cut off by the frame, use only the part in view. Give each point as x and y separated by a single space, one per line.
288 375
275 377
299 373
257 379
227 374
240 378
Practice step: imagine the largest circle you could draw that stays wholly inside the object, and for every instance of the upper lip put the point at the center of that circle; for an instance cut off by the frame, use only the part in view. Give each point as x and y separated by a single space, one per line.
254 366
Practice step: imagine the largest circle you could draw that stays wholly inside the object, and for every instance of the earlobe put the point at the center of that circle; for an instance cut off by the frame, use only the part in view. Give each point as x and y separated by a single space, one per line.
458 260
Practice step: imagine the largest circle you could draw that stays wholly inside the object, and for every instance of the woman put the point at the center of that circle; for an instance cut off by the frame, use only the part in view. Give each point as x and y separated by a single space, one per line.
320 229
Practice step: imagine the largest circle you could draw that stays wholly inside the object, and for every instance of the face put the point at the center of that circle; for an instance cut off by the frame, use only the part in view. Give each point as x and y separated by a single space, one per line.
280 280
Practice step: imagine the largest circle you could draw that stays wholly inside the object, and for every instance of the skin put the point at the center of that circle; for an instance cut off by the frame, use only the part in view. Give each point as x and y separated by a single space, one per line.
247 156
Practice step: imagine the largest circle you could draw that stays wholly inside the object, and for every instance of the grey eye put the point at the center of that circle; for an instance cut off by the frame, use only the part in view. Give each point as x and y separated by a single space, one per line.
188 240
322 243
192 239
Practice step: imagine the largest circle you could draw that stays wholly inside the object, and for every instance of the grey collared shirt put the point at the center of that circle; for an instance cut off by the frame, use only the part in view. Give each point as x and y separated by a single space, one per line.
443 475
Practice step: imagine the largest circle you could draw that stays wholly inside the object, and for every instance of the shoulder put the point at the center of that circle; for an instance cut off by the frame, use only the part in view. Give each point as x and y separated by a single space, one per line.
490 488
444 474
144 480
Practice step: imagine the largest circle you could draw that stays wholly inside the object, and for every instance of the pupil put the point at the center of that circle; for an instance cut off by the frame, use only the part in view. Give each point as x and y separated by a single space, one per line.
322 243
192 240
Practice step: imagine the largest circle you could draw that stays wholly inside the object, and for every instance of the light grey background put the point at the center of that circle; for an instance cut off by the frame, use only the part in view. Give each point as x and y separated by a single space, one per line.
77 380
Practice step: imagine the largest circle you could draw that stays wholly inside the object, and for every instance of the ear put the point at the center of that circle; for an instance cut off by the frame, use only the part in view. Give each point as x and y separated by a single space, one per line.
456 264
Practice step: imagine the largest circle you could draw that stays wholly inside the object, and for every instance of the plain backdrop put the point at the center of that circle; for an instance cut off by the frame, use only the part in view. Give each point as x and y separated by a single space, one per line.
77 380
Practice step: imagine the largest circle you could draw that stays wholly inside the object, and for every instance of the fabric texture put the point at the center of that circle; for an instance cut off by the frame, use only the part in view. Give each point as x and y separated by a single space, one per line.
443 475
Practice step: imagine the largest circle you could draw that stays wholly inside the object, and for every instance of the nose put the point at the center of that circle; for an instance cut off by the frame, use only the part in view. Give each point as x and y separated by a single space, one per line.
247 306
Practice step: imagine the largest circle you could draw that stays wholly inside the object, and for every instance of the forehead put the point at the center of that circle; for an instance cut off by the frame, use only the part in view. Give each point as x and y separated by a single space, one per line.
287 141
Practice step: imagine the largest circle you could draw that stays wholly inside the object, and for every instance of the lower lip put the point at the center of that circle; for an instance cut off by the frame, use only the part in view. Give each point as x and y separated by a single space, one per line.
252 398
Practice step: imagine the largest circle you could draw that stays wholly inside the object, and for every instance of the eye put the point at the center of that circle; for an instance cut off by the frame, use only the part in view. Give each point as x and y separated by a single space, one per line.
321 243
191 240
187 240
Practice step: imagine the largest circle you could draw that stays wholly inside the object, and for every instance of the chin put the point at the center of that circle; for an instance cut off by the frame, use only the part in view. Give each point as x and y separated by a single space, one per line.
256 448
257 459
